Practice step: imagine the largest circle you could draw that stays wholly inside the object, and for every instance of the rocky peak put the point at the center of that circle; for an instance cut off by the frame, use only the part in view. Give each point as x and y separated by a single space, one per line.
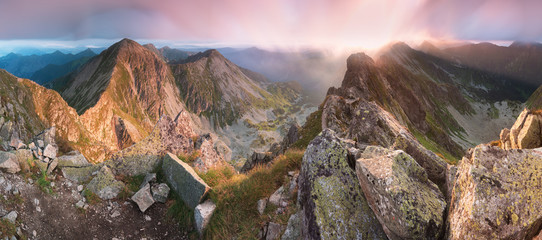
358 62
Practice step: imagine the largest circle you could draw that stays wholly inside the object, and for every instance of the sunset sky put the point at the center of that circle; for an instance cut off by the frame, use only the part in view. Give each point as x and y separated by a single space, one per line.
363 23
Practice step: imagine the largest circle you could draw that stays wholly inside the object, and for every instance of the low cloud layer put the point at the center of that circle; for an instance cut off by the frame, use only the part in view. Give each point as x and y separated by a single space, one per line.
369 23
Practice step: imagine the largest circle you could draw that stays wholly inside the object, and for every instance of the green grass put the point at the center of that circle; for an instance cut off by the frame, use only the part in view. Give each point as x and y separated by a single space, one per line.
44 183
91 197
310 130
189 158
183 214
236 197
7 229
430 145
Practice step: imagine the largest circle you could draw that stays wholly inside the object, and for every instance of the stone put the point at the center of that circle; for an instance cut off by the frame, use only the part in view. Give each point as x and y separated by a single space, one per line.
143 198
11 217
41 144
14 143
24 157
203 214
516 128
223 150
277 197
160 192
149 178
497 194
209 157
405 201
52 165
50 151
32 146
184 180
529 135
330 198
257 158
79 188
79 174
293 229
46 137
80 204
261 204
273 231
504 137
9 163
105 185
73 159
115 214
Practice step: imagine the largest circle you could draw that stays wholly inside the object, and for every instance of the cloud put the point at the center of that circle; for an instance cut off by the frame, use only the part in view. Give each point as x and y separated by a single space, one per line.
280 22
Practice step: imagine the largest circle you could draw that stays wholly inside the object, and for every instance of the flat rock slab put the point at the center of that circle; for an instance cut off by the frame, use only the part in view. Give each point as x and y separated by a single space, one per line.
143 198
79 174
184 180
406 203
203 214
73 159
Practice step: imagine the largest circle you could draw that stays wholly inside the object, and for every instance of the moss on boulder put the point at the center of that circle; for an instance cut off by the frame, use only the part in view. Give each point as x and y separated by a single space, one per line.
331 199
405 201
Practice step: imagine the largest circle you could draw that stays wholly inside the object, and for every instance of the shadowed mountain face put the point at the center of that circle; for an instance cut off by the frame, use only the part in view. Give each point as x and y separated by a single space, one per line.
26 66
520 61
214 87
422 91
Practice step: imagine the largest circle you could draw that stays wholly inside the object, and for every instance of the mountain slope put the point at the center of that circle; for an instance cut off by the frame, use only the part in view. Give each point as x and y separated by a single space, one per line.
25 66
121 93
27 108
428 94
53 71
214 87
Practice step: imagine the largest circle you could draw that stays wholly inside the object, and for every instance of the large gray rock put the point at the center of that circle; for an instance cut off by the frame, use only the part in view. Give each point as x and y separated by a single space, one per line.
9 163
497 194
184 180
293 230
73 159
203 214
406 203
105 185
331 200
143 198
50 151
160 192
11 217
52 165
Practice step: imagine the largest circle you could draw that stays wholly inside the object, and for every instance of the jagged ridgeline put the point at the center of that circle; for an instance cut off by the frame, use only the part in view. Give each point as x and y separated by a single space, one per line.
433 97
116 98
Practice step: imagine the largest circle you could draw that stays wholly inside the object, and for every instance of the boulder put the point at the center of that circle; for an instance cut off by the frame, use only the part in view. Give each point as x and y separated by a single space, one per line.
330 197
50 151
11 217
516 128
9 163
184 180
24 157
143 198
223 150
277 197
105 185
406 203
529 135
14 143
79 174
273 231
73 159
203 214
46 137
497 194
257 158
293 229
504 137
160 192
261 204
52 165
32 146
149 178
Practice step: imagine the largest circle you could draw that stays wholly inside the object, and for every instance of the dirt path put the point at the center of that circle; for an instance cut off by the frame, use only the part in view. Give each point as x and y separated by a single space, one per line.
55 216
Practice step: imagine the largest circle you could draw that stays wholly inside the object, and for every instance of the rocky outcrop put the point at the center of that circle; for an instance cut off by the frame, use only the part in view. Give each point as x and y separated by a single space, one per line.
405 201
526 133
497 195
124 132
73 159
144 156
209 157
367 123
257 158
184 180
331 200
